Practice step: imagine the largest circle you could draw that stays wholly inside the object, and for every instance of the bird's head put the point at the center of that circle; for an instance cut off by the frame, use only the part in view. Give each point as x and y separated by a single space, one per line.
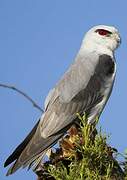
102 38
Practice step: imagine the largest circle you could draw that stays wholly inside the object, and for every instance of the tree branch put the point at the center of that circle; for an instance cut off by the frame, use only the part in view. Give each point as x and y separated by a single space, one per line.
23 94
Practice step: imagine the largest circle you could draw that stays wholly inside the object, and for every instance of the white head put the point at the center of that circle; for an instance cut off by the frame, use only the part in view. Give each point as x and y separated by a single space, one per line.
101 38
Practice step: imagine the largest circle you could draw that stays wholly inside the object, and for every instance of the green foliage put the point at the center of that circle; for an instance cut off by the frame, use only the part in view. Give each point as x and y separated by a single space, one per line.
90 158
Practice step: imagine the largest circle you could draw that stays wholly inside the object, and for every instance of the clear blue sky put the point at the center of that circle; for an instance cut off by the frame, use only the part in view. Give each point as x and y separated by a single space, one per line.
38 41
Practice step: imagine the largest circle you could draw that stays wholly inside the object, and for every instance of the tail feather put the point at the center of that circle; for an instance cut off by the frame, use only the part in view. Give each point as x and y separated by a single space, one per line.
33 162
15 155
14 167
32 149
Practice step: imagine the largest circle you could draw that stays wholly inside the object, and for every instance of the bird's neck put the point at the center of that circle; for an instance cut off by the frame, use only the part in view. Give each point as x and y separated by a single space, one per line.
95 48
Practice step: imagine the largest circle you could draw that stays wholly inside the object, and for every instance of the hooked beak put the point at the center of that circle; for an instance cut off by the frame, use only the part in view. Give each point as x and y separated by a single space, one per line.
118 39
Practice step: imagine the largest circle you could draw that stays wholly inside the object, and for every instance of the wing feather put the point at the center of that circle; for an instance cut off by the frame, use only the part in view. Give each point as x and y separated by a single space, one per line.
77 77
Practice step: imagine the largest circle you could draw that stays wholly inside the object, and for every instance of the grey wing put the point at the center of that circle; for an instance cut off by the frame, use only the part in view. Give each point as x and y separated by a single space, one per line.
61 105
48 132
63 100
48 98
77 77
84 89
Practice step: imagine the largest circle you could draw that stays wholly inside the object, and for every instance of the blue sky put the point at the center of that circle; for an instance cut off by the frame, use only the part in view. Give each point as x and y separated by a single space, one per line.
38 41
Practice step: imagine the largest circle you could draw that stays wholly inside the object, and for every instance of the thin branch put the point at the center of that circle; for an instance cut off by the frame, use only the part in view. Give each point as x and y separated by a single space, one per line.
23 94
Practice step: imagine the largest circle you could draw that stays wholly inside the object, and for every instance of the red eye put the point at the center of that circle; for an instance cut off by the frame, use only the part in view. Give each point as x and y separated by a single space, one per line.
103 32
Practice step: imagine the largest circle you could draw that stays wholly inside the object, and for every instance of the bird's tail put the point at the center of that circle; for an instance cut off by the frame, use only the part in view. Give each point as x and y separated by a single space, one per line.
27 154
15 155
34 162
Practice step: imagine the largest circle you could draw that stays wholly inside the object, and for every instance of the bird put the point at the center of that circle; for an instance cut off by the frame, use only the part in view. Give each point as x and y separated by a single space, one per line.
84 88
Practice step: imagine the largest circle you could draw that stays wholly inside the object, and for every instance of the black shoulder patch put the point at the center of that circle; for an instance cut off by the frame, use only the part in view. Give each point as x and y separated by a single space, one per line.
106 65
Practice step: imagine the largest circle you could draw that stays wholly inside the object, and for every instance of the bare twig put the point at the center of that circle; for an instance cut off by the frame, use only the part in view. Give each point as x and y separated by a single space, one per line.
23 94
